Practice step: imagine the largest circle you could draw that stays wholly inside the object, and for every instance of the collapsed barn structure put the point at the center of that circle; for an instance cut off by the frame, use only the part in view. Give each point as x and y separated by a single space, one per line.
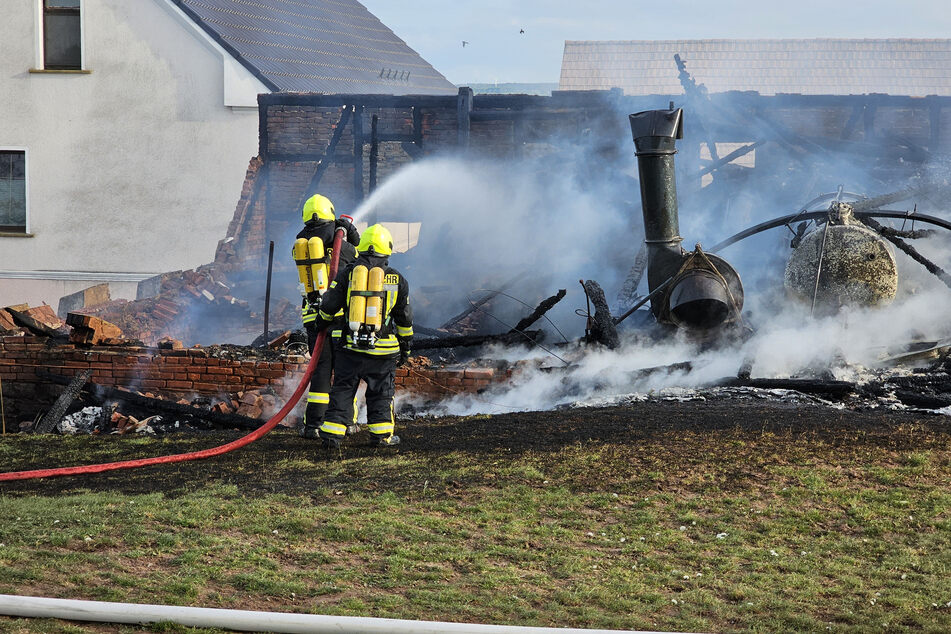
345 146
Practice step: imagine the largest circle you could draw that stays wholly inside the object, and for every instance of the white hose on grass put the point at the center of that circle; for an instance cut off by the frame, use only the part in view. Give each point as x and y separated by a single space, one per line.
246 620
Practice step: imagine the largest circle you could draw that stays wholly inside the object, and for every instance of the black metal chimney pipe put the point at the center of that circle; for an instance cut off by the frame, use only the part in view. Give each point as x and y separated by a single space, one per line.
655 133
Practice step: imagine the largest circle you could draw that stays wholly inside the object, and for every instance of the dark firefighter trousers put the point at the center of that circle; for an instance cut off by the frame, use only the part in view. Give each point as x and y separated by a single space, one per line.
319 395
379 373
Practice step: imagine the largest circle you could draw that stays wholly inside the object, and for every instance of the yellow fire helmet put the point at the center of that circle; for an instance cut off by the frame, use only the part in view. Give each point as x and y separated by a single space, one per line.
318 206
376 240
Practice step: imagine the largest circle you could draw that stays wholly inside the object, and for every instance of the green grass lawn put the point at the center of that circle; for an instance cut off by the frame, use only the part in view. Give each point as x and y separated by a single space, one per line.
740 528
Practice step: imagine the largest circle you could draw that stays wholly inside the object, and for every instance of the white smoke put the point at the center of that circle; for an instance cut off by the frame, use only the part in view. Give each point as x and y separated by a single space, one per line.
543 225
486 224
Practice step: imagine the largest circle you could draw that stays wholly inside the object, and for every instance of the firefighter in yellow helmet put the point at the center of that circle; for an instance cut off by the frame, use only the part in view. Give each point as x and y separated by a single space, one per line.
320 222
377 336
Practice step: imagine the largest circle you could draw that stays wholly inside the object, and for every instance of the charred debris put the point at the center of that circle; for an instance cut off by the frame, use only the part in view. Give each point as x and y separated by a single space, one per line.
842 254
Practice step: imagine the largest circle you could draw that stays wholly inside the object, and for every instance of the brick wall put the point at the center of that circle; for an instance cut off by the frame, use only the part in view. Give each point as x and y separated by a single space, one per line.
176 373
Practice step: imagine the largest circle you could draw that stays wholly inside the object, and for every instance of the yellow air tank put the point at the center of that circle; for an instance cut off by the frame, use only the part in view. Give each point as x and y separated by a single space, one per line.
358 303
375 304
318 271
299 251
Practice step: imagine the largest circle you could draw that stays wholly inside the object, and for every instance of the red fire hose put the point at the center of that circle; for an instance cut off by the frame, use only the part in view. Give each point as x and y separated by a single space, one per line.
204 453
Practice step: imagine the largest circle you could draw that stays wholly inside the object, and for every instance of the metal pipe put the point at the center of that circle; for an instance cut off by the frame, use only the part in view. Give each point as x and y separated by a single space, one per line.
655 133
247 620
813 215
267 290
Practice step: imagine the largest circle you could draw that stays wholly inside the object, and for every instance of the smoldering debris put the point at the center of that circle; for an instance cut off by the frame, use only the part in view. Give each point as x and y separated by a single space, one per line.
99 409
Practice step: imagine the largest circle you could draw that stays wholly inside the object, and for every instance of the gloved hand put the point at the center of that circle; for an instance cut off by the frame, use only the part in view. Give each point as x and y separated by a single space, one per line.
404 357
353 236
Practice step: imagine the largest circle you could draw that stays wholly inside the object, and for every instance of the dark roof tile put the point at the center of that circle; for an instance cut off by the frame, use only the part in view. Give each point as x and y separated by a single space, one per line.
329 46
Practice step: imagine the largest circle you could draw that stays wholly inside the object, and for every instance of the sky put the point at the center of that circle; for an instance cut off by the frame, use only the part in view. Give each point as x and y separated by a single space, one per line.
496 51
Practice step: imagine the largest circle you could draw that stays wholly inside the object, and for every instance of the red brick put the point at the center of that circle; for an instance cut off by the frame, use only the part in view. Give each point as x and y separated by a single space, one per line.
479 373
219 370
151 383
179 385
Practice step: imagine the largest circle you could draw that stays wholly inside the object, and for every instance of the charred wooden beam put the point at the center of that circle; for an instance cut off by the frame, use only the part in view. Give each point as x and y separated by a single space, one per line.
835 389
55 414
466 341
911 234
540 311
735 154
463 117
374 151
601 328
911 251
924 401
102 393
358 141
328 156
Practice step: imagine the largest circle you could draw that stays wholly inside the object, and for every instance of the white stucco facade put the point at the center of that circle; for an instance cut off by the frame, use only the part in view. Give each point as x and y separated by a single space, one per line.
134 165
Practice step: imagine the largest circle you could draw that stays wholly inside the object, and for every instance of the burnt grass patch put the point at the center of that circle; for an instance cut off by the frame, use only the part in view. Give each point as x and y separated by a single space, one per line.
659 442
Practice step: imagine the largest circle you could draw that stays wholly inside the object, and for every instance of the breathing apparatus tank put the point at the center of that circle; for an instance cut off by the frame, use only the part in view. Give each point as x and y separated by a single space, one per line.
318 264
311 267
358 303
374 318
365 313
304 273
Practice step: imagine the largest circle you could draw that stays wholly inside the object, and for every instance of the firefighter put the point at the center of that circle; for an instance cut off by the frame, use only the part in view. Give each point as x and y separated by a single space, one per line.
378 332
313 262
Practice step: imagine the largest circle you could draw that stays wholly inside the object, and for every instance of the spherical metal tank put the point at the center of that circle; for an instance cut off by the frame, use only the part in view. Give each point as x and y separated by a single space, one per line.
856 268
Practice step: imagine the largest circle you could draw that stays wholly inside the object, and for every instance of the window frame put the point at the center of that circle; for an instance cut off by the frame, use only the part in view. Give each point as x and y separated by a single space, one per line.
40 19
26 193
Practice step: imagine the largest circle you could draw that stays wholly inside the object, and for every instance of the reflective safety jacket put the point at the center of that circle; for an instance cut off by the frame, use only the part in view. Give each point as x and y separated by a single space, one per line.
325 230
397 330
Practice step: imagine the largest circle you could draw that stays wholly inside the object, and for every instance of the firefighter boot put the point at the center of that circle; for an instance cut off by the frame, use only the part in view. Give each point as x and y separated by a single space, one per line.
307 431
386 441
329 441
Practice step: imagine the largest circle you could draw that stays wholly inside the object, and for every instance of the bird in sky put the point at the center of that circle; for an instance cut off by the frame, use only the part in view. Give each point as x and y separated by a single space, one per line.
521 31
464 43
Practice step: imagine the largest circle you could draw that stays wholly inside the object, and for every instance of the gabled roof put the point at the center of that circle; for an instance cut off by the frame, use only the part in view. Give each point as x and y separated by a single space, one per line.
816 66
328 46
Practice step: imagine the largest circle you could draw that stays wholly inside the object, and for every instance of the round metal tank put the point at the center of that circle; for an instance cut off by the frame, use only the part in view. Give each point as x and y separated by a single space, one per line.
857 268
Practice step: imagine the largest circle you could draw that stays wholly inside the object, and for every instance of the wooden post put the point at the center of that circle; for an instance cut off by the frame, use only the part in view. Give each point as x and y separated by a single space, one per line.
374 152
869 122
463 120
934 113
267 291
418 126
357 155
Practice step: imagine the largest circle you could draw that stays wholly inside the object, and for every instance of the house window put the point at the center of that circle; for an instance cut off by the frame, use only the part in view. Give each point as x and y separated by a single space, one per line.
62 35
13 191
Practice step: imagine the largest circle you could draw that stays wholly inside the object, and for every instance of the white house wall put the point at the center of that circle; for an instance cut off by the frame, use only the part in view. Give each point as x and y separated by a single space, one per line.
134 168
